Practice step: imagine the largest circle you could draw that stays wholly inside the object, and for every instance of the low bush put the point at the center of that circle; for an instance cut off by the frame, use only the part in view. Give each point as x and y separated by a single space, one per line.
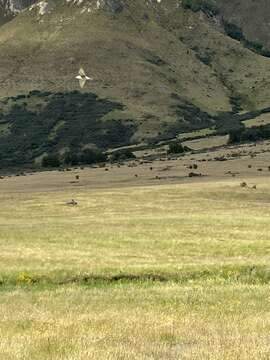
210 7
51 160
84 157
120 155
176 148
89 157
250 134
235 32
65 120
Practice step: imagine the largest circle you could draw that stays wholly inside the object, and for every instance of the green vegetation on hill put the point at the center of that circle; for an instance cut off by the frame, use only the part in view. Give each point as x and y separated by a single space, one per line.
208 6
64 123
176 148
236 33
250 134
249 15
72 128
162 72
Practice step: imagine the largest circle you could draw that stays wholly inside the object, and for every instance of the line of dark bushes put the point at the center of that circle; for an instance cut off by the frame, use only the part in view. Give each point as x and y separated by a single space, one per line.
249 134
210 7
235 32
84 157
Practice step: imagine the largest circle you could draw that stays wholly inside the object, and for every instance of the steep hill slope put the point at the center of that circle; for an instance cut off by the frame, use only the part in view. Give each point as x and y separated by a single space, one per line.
10 8
251 16
169 67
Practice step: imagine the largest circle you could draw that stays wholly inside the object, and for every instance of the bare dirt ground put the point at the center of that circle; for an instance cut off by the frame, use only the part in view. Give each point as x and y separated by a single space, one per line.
245 162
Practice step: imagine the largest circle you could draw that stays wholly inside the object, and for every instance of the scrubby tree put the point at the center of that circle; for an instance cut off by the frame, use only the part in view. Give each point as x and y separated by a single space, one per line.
71 158
51 160
120 155
176 148
89 156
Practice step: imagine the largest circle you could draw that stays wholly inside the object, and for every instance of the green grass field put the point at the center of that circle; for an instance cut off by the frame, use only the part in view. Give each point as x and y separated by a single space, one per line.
158 272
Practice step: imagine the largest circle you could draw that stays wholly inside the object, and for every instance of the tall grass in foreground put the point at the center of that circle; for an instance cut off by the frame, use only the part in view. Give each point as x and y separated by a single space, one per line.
136 322
166 272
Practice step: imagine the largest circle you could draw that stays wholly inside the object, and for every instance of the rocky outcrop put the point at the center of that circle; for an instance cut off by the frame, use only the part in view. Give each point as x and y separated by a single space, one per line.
9 8
113 6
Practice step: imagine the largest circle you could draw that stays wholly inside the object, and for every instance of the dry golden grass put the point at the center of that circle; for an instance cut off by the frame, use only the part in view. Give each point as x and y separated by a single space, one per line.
151 272
141 227
261 120
136 322
207 142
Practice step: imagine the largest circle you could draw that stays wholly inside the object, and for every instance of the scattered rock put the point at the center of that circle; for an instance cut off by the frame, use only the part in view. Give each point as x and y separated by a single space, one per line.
72 202
192 174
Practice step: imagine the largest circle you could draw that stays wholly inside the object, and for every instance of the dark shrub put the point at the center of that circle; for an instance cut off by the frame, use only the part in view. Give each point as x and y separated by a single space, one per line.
51 160
71 158
234 31
120 155
234 136
176 148
250 134
208 6
226 123
89 157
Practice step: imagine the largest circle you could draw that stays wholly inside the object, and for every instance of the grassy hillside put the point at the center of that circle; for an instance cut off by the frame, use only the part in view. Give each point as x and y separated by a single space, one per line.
45 123
159 61
251 16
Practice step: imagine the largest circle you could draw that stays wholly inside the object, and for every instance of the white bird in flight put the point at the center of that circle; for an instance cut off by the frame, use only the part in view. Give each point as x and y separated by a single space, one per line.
83 78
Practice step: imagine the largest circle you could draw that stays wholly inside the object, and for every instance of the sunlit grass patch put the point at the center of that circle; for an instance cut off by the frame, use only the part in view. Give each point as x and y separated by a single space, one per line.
130 321
174 271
